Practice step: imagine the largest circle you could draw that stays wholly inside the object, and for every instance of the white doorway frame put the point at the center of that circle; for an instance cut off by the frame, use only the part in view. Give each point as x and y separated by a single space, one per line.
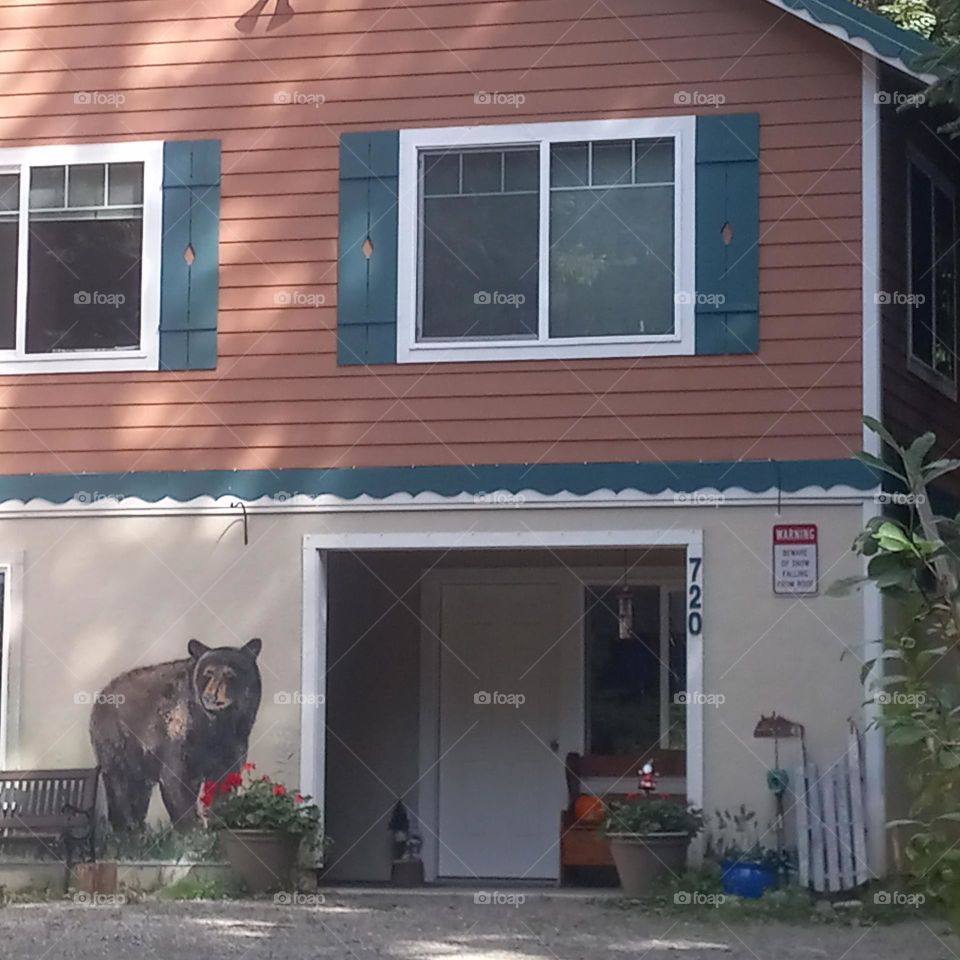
315 602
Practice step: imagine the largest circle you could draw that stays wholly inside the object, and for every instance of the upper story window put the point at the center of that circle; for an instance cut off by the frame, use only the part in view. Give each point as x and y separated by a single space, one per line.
933 278
80 231
540 240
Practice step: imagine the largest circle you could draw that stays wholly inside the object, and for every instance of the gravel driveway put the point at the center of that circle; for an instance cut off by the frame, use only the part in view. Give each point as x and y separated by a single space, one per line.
355 926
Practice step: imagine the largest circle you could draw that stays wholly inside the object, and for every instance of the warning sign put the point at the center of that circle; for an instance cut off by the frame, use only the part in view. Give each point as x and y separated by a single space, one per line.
795 559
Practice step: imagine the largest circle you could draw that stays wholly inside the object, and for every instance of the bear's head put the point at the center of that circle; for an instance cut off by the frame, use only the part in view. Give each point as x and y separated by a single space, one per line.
225 677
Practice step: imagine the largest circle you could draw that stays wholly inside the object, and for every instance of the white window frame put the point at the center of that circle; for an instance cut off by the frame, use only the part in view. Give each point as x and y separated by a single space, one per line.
917 366
679 343
147 355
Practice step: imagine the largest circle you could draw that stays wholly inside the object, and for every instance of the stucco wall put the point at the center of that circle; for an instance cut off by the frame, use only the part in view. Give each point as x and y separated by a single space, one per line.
101 595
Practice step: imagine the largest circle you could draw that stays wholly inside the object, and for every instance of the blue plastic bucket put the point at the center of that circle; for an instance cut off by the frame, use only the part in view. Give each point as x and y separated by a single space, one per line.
745 878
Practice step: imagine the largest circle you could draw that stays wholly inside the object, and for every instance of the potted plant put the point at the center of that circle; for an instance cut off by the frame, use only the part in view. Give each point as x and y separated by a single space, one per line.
649 837
261 826
748 868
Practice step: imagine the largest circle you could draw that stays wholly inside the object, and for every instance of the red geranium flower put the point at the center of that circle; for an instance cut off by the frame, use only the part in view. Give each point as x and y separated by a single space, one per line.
249 766
298 797
208 792
230 781
279 789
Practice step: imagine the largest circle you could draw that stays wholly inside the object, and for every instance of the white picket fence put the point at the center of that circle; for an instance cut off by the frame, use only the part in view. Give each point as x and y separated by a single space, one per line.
831 833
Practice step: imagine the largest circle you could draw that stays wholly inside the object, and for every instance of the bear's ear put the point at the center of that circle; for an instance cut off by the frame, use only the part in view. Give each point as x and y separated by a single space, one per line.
253 647
196 649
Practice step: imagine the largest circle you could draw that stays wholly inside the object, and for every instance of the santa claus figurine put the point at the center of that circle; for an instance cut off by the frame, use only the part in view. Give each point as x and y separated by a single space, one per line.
648 779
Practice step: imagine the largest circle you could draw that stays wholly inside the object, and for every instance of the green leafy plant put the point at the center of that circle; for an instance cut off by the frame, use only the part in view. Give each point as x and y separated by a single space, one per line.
160 842
737 837
646 815
244 801
914 561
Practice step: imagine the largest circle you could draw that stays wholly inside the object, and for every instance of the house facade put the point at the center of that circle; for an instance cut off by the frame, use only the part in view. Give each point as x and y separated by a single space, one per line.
501 365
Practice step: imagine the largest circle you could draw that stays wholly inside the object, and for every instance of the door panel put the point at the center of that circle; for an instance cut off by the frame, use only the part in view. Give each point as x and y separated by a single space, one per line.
501 782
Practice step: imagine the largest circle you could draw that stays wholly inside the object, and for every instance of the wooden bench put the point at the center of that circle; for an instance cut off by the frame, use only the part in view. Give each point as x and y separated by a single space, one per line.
45 804
584 851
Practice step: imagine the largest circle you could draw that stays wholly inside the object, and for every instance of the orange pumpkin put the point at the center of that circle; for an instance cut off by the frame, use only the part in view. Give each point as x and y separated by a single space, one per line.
588 809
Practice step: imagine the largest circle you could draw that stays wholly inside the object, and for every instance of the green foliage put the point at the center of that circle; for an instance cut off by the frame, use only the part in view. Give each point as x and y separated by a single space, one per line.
737 836
915 563
922 16
200 888
646 815
160 842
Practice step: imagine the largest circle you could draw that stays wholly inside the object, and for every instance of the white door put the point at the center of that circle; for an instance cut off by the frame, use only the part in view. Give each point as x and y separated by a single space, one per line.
501 776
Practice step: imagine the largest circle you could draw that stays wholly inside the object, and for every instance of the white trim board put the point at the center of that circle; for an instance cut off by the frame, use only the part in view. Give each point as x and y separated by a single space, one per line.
873 627
11 646
314 620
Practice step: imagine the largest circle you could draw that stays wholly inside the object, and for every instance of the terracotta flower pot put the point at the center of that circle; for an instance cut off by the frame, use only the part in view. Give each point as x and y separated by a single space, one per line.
264 860
644 859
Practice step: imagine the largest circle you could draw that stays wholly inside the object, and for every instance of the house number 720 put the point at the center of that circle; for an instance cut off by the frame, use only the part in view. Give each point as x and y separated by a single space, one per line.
695 597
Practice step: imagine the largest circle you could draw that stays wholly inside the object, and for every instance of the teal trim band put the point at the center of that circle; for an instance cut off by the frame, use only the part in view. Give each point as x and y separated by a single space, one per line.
579 479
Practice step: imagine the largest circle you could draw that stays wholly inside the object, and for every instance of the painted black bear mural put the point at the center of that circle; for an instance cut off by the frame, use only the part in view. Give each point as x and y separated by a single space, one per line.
174 724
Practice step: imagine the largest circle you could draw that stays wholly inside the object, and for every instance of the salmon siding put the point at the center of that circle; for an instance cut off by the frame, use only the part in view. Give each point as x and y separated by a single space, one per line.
82 71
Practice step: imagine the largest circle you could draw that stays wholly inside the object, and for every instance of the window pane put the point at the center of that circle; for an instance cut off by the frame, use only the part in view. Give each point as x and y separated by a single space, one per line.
944 285
126 184
521 170
921 253
85 185
84 283
9 236
611 262
568 164
612 162
479 261
46 187
623 675
441 173
655 161
482 172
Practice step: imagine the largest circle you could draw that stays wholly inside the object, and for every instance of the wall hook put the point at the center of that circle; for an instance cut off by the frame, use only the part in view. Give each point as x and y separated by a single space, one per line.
246 532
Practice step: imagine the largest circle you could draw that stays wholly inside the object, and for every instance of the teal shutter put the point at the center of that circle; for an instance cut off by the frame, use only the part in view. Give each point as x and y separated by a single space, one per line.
367 272
190 256
728 233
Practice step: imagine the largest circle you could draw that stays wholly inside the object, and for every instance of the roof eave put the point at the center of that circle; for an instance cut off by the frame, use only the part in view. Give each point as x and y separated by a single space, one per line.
864 44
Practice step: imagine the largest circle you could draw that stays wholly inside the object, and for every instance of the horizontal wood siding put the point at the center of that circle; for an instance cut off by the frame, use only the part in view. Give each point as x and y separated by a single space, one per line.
278 398
910 405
